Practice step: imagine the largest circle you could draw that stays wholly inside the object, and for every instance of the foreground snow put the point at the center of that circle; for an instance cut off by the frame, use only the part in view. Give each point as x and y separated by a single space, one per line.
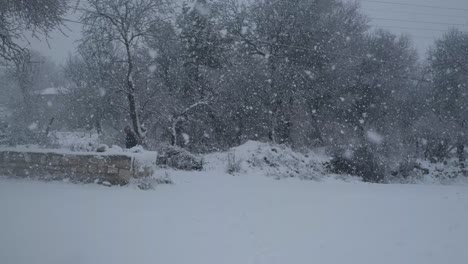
224 219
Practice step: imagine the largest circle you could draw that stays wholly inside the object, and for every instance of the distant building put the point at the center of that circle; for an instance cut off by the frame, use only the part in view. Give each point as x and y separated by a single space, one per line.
52 94
50 101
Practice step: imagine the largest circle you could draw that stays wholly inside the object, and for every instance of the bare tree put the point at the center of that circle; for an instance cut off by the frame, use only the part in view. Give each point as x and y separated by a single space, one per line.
125 22
449 68
297 42
18 18
95 72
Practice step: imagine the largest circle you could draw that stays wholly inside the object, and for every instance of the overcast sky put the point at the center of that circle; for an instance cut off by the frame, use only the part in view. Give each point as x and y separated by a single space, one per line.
424 20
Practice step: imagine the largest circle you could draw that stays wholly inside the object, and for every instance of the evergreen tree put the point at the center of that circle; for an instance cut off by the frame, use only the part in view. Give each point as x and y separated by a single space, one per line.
449 63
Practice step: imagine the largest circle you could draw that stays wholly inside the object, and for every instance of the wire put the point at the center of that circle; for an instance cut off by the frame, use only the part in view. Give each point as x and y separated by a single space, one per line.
415 5
417 21
413 28
413 13
347 55
374 18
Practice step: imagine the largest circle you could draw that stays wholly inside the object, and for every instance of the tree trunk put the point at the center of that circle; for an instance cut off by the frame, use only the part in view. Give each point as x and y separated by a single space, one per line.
133 113
239 130
49 126
274 123
174 133
132 101
276 102
461 155
286 137
23 76
98 125
317 133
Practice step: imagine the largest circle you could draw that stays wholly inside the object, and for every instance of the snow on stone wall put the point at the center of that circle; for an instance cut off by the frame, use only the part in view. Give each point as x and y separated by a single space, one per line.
76 167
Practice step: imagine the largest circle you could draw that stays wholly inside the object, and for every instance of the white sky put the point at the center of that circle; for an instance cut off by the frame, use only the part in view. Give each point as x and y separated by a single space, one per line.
413 17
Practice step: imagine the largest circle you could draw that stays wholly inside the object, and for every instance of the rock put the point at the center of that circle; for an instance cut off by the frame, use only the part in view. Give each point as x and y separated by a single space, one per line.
136 149
116 148
106 183
101 148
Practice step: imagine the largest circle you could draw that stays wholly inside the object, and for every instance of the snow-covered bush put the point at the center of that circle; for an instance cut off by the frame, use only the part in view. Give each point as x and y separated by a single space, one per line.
408 169
278 161
233 164
427 172
150 183
178 158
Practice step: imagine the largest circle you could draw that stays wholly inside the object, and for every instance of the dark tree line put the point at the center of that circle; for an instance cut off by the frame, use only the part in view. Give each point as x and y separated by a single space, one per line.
213 74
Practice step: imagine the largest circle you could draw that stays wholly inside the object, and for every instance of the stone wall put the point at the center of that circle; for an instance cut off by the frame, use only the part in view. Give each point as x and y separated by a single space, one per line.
79 167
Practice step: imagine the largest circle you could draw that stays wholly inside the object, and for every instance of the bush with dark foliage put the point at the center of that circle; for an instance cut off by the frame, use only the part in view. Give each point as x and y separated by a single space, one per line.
362 163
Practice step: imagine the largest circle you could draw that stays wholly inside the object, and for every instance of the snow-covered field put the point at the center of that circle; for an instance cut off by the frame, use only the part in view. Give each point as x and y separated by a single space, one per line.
212 218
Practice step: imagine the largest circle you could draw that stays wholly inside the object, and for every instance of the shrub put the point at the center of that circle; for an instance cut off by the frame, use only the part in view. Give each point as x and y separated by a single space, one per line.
233 165
437 150
150 183
361 163
408 169
178 158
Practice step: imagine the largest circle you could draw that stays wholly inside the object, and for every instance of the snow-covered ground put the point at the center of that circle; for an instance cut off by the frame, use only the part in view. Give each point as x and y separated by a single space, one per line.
212 218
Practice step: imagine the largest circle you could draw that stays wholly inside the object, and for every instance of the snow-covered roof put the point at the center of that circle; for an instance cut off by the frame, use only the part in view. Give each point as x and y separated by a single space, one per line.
53 91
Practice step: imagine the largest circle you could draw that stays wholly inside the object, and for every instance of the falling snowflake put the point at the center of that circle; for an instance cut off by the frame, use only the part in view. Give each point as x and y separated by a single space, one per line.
33 126
374 137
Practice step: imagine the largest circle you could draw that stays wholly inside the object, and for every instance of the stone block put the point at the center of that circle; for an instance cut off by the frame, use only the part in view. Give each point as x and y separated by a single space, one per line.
43 160
54 160
92 159
21 172
16 157
56 170
83 169
64 160
112 170
102 168
36 157
6 172
125 174
27 158
121 162
93 169
73 160
6 157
